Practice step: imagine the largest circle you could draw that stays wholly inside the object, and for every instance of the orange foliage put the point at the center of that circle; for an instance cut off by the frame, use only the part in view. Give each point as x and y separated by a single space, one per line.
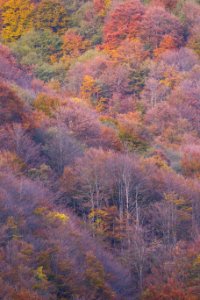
73 44
110 139
130 50
89 88
46 103
166 44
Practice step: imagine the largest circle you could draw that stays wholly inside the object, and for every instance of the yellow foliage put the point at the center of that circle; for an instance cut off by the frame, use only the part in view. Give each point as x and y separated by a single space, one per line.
107 223
79 101
54 85
55 215
11 222
16 18
95 272
97 216
158 161
103 11
40 211
182 206
197 261
130 51
39 274
46 103
171 77
13 228
52 215
88 87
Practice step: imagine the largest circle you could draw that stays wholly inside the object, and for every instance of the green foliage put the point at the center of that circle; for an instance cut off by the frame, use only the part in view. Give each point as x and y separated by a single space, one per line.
41 50
41 173
137 79
36 47
51 14
46 71
89 55
90 28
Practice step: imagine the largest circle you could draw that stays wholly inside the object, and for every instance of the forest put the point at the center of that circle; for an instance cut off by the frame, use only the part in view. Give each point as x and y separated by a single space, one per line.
99 150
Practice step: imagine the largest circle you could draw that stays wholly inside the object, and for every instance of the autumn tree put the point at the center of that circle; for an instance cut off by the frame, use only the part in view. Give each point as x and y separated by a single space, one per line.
17 18
10 69
192 23
46 103
38 47
101 7
182 60
123 22
190 160
138 256
131 52
95 279
108 225
131 131
51 15
12 108
158 23
88 22
80 120
60 147
91 175
89 89
166 44
73 44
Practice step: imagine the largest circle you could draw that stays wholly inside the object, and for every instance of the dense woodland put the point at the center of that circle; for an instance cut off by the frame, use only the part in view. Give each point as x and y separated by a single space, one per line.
99 150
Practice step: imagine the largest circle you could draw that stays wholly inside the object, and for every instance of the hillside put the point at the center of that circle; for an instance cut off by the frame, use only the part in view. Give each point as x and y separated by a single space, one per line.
99 150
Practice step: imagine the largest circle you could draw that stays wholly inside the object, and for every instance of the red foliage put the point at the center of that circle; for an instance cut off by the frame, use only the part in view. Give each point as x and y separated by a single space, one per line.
171 290
123 22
